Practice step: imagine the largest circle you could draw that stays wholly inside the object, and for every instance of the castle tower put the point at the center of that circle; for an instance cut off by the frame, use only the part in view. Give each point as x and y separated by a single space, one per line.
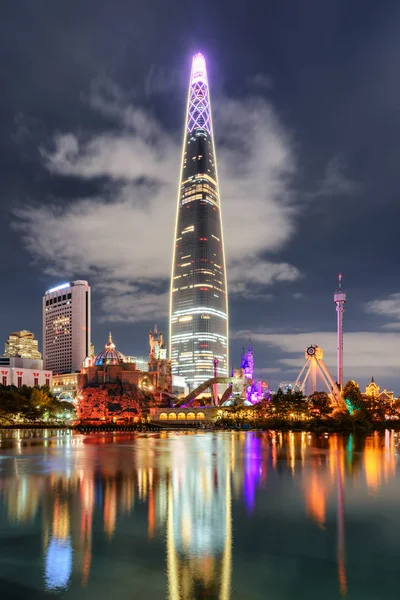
158 362
198 300
249 369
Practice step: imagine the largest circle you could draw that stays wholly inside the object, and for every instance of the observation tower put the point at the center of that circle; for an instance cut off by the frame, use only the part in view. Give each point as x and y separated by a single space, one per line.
340 300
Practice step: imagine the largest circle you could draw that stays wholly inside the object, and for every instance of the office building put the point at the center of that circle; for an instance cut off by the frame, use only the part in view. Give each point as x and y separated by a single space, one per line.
66 327
198 299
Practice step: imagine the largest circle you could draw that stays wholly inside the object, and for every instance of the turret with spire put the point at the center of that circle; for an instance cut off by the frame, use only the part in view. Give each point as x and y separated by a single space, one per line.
110 355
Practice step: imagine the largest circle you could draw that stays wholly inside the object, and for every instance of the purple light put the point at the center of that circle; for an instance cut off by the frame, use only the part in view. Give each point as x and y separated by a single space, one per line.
199 116
252 465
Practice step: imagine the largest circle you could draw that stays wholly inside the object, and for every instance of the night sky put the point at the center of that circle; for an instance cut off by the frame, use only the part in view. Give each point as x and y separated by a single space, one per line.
306 107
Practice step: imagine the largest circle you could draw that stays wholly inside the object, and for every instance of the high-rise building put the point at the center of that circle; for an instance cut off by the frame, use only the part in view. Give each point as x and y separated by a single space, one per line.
22 343
198 304
66 327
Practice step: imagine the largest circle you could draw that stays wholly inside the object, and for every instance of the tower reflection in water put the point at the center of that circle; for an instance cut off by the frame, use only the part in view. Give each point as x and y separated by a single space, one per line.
187 484
199 529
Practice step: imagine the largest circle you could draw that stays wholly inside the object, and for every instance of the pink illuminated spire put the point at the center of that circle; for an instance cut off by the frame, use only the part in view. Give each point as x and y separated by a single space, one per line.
199 114
199 71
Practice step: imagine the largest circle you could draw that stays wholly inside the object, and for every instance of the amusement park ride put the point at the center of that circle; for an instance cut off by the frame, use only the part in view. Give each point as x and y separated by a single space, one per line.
314 367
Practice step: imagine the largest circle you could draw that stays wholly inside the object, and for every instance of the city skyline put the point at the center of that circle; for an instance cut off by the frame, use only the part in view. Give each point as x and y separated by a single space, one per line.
307 155
199 330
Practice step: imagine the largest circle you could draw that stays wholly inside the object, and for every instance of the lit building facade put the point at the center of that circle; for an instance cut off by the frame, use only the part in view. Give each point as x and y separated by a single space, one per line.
198 304
373 391
18 371
65 386
141 363
112 389
66 327
22 343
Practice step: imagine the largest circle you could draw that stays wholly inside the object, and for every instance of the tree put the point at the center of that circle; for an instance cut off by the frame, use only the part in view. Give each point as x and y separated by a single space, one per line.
352 395
289 405
39 398
319 404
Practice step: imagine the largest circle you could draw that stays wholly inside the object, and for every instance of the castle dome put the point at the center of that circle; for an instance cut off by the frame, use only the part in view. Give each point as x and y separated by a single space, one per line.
110 355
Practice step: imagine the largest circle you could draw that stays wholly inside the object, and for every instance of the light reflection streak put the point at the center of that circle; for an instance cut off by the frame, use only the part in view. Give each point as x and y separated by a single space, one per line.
188 494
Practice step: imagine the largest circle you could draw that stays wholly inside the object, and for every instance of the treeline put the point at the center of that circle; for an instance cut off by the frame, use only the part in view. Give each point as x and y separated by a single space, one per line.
29 405
292 408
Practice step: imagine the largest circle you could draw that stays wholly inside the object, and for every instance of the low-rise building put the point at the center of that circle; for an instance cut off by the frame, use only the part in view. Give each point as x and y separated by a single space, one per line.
65 386
373 390
142 364
18 371
191 415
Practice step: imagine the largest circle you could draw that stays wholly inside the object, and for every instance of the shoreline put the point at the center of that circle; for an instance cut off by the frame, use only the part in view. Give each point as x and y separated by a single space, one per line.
156 427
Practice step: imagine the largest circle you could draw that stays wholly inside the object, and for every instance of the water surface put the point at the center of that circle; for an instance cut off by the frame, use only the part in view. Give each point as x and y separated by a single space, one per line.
227 516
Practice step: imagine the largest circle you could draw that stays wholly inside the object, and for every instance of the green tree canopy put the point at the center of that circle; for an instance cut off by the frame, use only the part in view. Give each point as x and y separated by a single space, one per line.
352 395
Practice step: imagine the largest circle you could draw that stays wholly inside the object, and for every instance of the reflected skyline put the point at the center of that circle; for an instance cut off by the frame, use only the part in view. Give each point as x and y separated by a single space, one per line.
186 493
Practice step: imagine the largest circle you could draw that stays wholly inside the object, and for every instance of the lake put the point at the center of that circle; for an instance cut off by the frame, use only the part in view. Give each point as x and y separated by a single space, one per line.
194 515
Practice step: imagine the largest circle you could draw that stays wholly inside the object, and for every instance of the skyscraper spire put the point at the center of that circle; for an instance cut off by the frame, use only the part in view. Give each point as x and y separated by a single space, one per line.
198 305
199 111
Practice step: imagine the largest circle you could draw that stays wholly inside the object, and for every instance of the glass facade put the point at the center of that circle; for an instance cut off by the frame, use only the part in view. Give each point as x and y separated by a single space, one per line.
198 309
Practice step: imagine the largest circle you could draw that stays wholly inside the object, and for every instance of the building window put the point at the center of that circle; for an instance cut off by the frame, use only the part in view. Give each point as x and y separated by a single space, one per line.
4 379
172 417
200 415
36 381
47 382
163 416
181 416
19 381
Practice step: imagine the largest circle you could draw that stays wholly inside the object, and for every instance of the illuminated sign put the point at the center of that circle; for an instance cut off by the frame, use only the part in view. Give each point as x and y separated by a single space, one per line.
59 287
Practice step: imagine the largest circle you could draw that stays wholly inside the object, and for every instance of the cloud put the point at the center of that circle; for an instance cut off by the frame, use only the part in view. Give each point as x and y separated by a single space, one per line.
133 305
258 273
388 307
394 325
125 234
335 182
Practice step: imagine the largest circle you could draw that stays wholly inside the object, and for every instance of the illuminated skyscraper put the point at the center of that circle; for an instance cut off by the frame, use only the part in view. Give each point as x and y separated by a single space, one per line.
199 304
66 327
